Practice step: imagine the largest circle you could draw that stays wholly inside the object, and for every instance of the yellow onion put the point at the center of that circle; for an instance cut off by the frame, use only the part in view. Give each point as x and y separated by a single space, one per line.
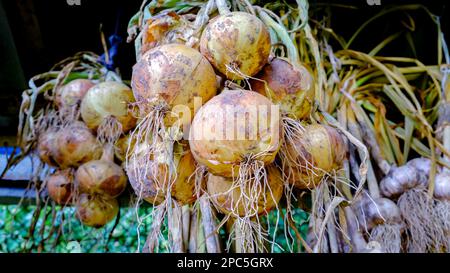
121 146
319 150
108 99
95 210
72 93
46 147
230 200
102 176
222 139
60 186
236 44
75 145
173 74
287 84
156 177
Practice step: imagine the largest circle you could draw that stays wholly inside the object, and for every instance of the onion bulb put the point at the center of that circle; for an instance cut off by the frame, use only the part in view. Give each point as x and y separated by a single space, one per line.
235 127
287 84
378 211
319 149
122 145
237 44
108 99
442 186
172 75
151 182
95 210
229 199
60 186
75 145
102 176
46 147
72 93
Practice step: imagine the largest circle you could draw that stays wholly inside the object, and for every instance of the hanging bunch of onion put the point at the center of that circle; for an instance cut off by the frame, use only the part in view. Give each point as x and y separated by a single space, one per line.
408 185
382 219
60 186
236 43
166 81
153 180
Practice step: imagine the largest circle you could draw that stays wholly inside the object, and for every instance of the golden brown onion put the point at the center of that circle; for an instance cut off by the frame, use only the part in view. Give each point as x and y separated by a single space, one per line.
230 200
96 211
236 43
173 74
320 149
287 84
46 147
108 99
60 186
102 176
72 93
75 145
221 139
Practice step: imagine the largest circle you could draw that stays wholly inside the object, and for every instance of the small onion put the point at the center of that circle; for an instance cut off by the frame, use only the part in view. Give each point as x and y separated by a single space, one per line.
60 186
221 153
75 145
108 99
442 186
230 200
173 74
184 188
102 176
236 44
96 211
46 147
121 147
289 85
319 150
72 93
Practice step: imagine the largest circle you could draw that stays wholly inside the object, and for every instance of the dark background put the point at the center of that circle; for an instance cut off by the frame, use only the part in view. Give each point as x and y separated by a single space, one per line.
35 34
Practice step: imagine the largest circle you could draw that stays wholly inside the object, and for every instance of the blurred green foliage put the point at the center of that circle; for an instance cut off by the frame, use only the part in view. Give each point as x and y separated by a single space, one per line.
74 237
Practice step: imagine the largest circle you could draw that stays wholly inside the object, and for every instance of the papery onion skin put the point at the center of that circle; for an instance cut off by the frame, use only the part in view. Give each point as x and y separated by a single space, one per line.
319 150
75 145
107 99
96 211
184 188
72 93
236 39
289 85
121 146
225 199
222 156
60 186
173 74
46 148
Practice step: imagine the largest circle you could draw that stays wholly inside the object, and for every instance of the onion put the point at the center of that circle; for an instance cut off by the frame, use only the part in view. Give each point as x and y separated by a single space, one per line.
173 75
108 99
237 44
230 200
289 85
72 93
102 176
442 186
213 123
60 186
154 186
121 146
75 145
319 150
46 148
96 211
